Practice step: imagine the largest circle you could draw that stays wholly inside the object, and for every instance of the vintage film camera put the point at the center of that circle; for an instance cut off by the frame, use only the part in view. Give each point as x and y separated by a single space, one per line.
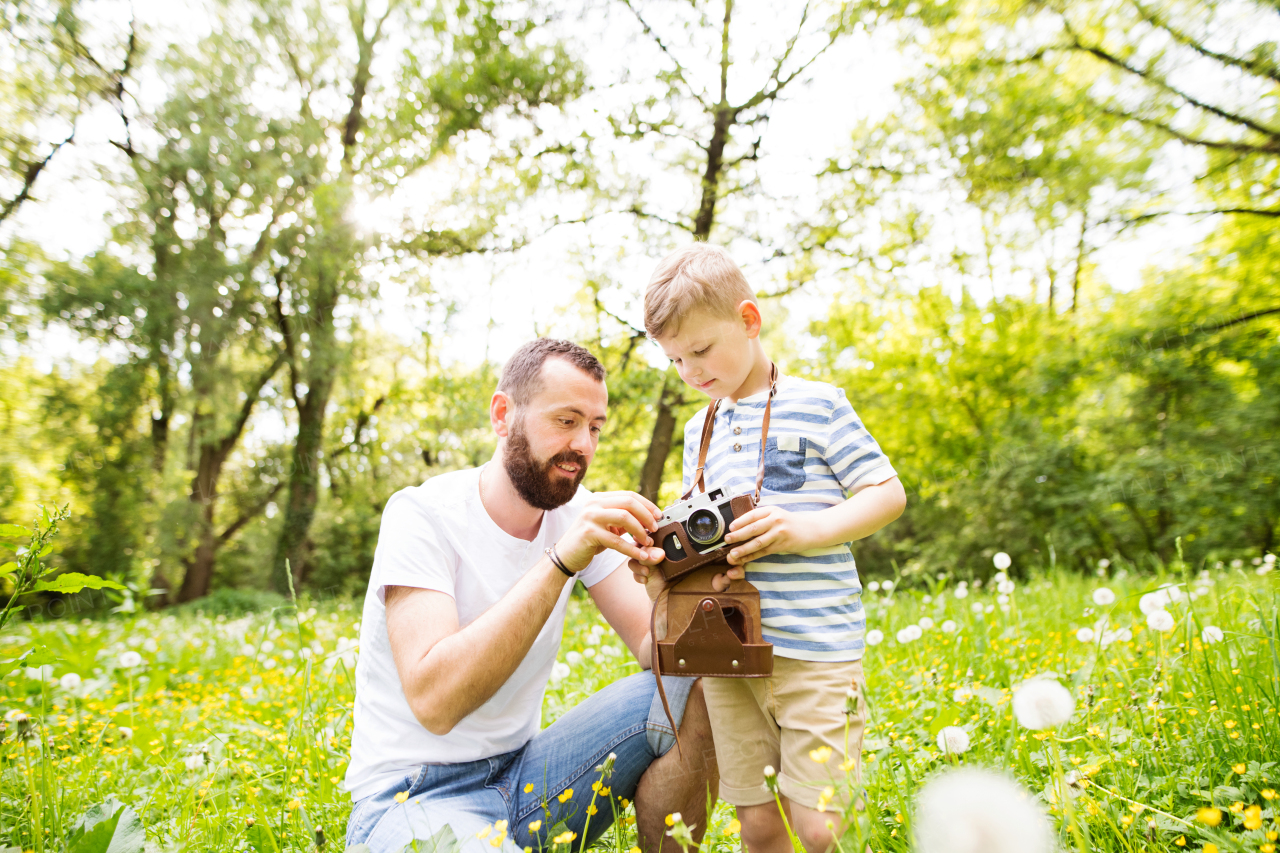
691 531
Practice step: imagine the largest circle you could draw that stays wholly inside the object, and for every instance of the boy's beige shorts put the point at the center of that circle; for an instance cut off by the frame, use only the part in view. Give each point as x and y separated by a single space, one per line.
778 721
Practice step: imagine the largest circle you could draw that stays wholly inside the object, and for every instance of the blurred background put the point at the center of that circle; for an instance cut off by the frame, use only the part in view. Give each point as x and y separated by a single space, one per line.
261 261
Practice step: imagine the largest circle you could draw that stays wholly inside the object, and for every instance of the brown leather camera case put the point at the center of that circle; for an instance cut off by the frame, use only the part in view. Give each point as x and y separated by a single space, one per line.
713 633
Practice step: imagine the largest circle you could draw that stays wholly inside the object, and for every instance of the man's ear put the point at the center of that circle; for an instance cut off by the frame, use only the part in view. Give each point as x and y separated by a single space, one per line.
500 413
749 311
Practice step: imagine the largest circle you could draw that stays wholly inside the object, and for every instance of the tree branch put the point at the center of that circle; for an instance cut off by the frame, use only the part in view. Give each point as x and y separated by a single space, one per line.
1253 67
1159 83
29 178
1217 144
1179 340
680 72
248 515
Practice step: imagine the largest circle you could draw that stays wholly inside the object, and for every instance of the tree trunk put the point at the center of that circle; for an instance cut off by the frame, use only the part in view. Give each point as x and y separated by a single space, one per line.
199 569
304 490
664 429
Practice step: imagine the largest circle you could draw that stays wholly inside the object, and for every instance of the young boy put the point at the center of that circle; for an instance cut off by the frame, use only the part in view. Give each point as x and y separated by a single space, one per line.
826 484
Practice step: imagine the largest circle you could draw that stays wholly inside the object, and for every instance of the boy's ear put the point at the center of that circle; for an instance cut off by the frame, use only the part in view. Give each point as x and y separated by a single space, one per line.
749 311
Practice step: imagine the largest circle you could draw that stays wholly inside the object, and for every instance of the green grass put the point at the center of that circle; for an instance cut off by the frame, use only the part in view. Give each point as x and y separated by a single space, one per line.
233 724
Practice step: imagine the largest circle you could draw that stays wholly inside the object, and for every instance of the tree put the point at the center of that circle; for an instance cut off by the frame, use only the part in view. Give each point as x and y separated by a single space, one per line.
696 124
471 64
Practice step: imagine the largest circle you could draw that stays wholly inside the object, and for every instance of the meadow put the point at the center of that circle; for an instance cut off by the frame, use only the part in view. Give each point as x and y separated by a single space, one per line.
230 732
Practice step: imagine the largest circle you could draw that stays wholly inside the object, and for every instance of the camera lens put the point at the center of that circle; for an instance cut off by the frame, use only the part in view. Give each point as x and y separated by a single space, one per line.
704 526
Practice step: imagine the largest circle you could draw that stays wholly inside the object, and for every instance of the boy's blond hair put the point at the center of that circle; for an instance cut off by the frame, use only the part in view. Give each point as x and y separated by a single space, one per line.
698 276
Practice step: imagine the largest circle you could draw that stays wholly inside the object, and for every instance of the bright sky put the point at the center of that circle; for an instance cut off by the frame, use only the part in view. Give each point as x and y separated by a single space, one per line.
503 301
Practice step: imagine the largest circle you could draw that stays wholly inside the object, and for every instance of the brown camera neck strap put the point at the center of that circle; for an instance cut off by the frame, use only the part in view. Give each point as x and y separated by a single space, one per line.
709 424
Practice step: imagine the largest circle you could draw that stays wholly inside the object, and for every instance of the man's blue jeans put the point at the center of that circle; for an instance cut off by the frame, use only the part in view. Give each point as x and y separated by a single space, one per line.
527 785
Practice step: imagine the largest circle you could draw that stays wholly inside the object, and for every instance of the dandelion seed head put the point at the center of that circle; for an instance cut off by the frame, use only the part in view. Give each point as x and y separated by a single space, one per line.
874 637
1103 597
953 740
969 810
1002 560
1042 703
1161 620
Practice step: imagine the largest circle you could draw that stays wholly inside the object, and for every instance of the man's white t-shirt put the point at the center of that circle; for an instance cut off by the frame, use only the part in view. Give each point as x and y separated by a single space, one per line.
439 536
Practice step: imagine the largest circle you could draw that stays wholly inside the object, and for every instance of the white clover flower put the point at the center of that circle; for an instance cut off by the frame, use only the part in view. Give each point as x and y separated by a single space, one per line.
887 586
953 740
70 681
1002 560
1085 635
1042 703
949 627
961 592
559 671
1006 586
874 637
874 586
573 658
1211 634
925 622
1103 597
1160 620
968 810
130 659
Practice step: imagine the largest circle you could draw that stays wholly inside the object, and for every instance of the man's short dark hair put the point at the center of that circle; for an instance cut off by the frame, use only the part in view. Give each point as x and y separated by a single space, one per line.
522 374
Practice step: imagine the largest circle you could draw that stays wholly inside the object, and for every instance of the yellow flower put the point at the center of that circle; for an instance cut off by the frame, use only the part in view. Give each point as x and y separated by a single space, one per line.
484 833
496 841
535 826
565 795
1237 807
604 792
733 827
564 837
1268 848
1209 816
624 802
672 818
294 804
1253 817
591 809
595 786
1181 841
1210 848
821 755
1273 835
1231 724
1126 821
850 763
1268 793
528 789
1240 768
402 796
501 826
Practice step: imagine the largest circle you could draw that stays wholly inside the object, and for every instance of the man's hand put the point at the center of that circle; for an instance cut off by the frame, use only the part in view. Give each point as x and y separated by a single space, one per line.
641 571
601 525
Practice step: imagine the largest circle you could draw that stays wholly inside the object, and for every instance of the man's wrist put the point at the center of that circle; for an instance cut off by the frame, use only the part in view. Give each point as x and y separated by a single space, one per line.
556 561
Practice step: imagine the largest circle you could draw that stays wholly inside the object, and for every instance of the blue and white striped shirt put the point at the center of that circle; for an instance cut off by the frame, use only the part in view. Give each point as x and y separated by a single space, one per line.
817 453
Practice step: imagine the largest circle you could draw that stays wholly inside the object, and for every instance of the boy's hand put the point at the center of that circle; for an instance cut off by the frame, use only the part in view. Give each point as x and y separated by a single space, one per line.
767 530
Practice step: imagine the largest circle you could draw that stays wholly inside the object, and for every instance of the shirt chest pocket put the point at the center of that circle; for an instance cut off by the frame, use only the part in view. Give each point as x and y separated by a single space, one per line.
784 463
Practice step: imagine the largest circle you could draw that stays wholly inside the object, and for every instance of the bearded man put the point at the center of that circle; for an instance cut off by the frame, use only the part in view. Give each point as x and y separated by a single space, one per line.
462 623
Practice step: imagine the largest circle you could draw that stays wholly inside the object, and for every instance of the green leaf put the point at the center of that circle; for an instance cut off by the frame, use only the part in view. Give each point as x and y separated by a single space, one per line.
262 839
8 569
34 656
72 582
944 719
108 827
14 531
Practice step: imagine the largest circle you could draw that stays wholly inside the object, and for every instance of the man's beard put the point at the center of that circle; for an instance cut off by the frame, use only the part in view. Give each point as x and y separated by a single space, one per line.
534 481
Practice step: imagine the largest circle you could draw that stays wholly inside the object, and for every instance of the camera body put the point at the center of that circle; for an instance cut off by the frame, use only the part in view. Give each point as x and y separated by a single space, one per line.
691 531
